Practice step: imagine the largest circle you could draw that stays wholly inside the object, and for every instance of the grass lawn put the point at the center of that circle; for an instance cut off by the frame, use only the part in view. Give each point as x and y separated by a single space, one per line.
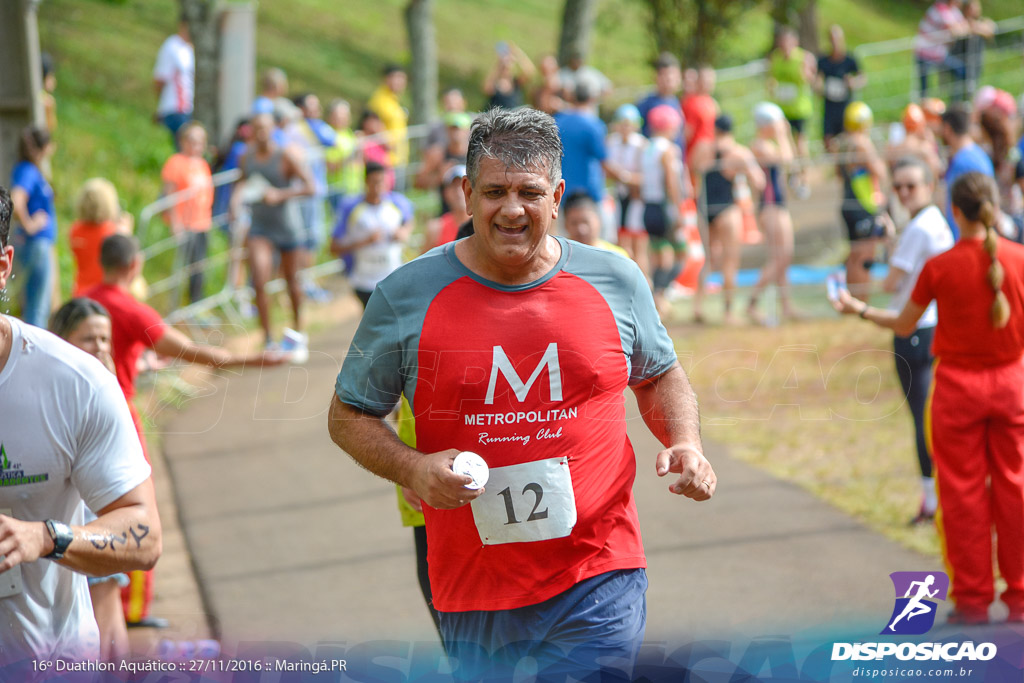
815 402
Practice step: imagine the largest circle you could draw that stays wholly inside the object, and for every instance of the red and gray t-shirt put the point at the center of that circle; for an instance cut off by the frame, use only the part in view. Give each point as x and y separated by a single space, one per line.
531 378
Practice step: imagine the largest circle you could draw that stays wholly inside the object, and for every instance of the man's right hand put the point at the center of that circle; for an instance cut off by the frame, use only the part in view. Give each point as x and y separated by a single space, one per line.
438 486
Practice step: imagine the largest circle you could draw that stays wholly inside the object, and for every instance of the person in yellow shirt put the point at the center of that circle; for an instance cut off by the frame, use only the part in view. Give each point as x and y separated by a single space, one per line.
385 103
583 223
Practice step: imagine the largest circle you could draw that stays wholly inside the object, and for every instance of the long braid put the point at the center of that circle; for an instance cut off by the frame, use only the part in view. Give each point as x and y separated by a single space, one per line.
1001 305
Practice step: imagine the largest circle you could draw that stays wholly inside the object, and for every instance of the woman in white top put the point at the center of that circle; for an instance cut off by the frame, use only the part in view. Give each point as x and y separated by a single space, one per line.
925 236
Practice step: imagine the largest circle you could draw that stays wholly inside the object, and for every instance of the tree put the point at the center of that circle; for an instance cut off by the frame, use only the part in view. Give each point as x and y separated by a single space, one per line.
692 29
801 15
419 25
201 16
577 25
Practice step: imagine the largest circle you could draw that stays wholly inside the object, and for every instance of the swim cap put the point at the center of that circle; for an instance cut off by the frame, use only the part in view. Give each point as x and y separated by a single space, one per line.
723 124
857 118
933 109
913 118
628 112
664 118
767 113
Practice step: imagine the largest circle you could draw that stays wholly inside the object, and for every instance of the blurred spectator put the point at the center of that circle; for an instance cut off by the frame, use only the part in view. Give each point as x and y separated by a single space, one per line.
575 72
583 223
445 228
838 77
626 149
190 218
386 104
585 156
227 160
700 110
970 48
319 137
49 87
436 165
273 86
36 215
965 155
941 24
667 80
997 136
503 86
791 70
344 162
374 144
99 216
174 80
547 96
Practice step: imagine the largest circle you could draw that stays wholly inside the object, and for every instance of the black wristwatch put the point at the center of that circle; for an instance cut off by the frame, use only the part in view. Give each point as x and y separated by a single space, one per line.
62 536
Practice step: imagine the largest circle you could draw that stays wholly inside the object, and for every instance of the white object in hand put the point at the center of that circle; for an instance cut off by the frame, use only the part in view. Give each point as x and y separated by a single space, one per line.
471 465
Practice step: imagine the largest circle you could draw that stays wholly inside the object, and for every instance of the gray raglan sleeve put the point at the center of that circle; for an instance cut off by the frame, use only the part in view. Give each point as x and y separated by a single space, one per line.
653 352
371 377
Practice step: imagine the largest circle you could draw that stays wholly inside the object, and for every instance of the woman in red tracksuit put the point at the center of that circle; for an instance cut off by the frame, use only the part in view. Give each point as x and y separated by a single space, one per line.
977 403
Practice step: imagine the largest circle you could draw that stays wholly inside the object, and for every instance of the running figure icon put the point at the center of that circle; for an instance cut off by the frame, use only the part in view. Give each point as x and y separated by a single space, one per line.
916 606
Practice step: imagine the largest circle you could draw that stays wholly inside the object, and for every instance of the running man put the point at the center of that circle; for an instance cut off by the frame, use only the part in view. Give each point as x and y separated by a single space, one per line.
373 227
276 226
916 607
549 552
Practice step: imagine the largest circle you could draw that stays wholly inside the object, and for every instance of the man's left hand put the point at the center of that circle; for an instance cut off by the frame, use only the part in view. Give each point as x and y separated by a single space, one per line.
22 541
696 480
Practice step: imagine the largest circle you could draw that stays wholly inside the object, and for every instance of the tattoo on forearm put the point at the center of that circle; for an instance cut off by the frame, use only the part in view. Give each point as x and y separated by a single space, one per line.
139 536
104 541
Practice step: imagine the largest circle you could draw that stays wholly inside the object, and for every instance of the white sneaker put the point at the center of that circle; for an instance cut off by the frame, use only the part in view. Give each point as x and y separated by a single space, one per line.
296 345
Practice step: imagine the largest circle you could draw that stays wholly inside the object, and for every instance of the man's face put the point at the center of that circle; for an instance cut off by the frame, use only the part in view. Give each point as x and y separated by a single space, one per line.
311 108
193 142
512 210
582 224
396 81
453 101
262 128
668 80
376 186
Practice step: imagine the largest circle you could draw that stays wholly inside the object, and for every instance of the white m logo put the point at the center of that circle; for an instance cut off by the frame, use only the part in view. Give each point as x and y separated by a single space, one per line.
502 363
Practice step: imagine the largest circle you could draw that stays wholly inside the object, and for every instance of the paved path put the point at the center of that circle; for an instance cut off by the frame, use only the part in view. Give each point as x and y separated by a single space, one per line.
294 542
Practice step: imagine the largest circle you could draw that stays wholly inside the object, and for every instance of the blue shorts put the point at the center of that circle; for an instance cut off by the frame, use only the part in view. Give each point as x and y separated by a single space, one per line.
594 628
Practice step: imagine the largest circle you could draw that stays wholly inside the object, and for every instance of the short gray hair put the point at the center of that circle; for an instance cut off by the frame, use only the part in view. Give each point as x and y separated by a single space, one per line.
522 139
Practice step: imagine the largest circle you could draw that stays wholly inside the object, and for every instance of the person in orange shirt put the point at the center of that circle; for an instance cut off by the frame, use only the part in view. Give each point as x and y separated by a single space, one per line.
190 218
976 408
99 216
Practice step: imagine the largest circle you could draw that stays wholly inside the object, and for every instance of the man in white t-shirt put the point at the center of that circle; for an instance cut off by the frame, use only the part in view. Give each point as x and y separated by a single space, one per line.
66 441
926 235
174 80
373 227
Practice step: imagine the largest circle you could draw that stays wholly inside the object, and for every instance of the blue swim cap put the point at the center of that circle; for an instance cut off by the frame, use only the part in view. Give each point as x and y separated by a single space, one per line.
628 112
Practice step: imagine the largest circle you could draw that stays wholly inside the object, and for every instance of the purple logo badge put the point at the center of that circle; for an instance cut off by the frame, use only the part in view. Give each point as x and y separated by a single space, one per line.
916 596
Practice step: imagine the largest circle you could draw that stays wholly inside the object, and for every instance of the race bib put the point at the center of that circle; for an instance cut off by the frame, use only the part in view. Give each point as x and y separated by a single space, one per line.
786 92
533 501
835 89
10 580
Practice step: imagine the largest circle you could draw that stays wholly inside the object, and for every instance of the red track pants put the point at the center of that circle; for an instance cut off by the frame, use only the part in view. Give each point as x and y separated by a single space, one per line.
977 436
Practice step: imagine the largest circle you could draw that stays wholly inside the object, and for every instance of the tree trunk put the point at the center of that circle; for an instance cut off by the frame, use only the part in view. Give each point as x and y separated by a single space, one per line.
577 24
807 27
202 27
419 26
